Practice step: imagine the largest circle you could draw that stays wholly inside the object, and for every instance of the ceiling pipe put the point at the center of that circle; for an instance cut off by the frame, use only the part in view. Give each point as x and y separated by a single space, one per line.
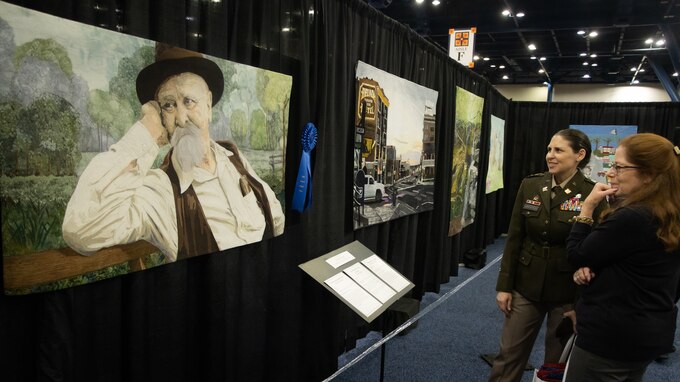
672 44
664 79
557 45
502 29
637 70
618 46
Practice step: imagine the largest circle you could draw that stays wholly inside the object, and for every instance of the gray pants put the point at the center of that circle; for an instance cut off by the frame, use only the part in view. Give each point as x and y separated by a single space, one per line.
586 366
519 334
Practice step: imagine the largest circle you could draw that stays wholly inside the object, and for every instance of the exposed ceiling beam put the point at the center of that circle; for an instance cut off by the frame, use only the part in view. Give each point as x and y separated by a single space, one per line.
557 45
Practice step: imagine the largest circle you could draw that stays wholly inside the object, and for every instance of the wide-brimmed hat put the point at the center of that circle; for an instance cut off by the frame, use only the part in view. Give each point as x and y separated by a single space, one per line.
170 61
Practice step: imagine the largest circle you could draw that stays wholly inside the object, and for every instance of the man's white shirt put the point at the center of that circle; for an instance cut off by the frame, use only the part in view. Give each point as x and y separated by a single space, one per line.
119 199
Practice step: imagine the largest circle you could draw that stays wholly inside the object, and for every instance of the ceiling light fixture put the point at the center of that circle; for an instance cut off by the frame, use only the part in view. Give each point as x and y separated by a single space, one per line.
583 54
420 1
675 74
642 70
545 83
506 13
532 47
533 57
593 64
633 69
592 34
486 58
585 63
435 2
581 32
593 55
541 71
520 14
285 29
505 77
660 42
636 82
475 57
493 66
542 58
586 75
502 66
649 41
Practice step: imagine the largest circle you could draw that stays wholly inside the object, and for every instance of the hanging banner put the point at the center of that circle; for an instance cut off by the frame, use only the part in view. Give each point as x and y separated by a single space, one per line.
462 46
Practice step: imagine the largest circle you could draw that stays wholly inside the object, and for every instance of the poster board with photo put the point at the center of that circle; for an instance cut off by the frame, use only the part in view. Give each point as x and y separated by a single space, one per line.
69 92
494 174
604 140
394 152
465 161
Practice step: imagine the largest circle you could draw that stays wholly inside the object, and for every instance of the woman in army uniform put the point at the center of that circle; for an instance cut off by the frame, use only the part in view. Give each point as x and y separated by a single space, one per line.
535 278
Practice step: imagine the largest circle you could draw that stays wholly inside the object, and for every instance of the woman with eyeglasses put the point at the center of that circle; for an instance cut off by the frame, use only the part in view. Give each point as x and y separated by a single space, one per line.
535 278
630 263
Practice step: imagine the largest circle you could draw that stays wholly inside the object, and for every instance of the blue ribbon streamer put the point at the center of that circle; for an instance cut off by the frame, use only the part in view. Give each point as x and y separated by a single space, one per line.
302 197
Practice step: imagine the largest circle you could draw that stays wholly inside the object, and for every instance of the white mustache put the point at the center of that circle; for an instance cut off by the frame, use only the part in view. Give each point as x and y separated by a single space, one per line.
188 146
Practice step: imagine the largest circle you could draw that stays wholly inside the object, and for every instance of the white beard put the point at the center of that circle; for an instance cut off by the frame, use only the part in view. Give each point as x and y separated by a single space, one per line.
188 147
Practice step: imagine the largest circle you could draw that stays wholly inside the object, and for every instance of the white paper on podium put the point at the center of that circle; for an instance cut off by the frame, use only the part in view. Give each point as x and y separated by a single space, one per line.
386 273
340 259
357 297
367 280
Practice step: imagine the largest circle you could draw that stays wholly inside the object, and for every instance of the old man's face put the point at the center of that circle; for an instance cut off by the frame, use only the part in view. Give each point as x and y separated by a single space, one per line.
185 100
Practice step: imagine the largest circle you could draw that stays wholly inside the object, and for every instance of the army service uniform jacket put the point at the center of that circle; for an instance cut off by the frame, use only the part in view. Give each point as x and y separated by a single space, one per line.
535 258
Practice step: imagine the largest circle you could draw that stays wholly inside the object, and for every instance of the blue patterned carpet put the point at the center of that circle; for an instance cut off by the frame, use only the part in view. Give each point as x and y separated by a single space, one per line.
447 343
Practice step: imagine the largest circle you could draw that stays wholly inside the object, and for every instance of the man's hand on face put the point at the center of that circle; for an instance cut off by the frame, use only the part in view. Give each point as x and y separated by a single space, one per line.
151 119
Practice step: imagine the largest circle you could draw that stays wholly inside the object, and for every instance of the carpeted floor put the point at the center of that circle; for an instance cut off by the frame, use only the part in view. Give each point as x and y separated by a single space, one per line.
446 345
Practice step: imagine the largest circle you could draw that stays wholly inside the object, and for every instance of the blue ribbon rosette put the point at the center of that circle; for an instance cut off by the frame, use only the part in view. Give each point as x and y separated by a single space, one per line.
302 198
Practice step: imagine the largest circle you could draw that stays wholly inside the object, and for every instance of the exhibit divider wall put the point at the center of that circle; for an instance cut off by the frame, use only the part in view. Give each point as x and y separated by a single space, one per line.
533 123
250 313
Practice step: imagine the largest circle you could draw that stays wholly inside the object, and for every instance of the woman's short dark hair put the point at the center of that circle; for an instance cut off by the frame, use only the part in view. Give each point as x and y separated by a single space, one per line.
577 140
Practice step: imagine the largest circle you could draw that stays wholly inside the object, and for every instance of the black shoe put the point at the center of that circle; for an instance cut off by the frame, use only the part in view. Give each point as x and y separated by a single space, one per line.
665 356
662 357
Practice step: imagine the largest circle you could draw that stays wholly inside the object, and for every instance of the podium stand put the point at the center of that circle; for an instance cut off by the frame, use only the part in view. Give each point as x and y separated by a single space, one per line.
359 278
365 283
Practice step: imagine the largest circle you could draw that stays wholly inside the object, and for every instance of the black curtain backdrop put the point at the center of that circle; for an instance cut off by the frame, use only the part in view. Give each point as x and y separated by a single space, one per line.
250 314
534 123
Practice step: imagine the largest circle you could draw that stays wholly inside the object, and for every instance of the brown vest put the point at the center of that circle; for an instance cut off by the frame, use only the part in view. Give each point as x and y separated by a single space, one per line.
193 232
